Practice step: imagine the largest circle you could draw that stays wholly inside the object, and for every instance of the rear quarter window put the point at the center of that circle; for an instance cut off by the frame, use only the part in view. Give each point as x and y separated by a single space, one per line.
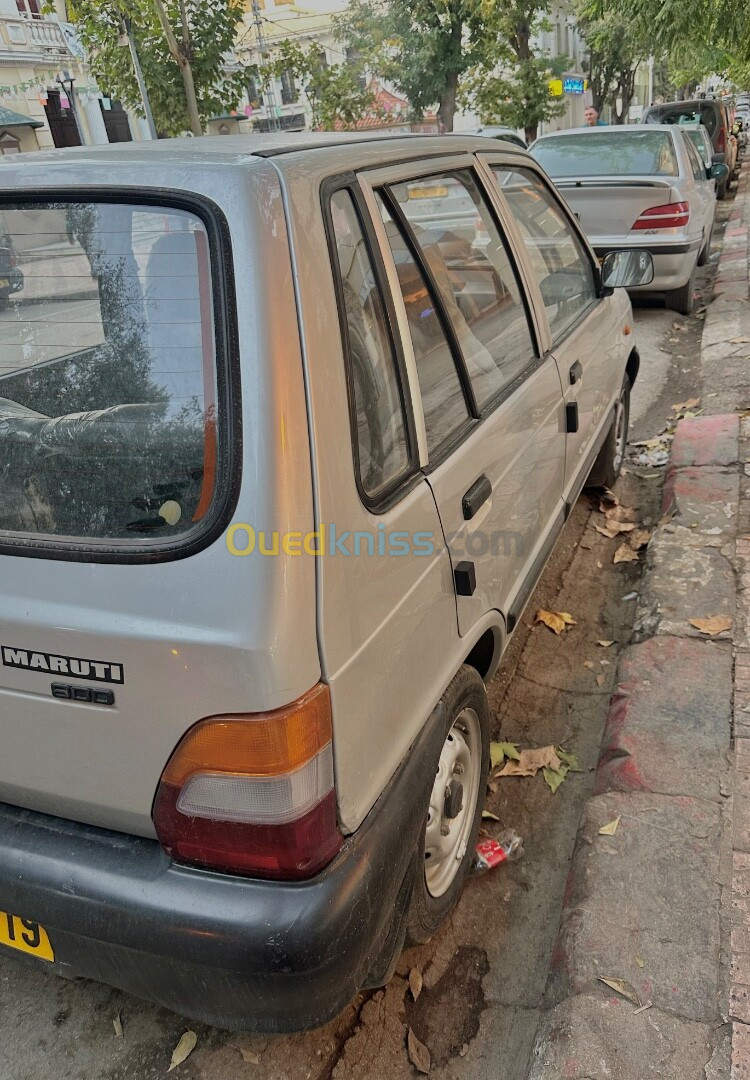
110 426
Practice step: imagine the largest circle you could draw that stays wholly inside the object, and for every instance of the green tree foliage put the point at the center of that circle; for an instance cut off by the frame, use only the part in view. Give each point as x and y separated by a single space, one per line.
617 47
336 94
424 47
211 28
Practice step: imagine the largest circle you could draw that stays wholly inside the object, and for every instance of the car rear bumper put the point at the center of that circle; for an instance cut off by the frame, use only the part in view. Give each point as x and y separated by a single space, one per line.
237 952
673 261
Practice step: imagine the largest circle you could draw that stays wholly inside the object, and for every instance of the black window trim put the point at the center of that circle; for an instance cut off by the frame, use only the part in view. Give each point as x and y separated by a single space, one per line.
477 415
404 481
228 399
601 294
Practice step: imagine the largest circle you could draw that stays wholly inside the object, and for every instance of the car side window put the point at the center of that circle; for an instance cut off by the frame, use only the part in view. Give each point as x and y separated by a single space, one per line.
561 263
443 400
470 264
699 170
380 418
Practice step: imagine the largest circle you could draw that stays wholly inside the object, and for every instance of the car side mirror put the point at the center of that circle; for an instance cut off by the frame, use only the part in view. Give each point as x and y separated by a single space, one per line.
718 171
627 269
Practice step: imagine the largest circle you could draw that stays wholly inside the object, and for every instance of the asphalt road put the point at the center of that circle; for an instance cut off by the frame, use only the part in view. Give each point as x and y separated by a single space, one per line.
485 973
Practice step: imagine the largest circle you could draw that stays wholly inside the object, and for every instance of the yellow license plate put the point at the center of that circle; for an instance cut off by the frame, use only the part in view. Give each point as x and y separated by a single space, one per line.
25 935
428 192
4 283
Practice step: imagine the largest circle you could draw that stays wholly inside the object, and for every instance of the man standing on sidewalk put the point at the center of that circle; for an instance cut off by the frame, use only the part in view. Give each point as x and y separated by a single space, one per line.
591 116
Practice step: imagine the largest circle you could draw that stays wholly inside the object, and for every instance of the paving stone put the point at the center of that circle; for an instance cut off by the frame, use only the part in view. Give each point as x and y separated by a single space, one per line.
598 1035
706 499
705 440
740 1052
671 709
649 893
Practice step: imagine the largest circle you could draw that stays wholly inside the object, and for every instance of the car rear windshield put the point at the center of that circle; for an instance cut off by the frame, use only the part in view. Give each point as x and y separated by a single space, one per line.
696 137
688 113
604 153
108 422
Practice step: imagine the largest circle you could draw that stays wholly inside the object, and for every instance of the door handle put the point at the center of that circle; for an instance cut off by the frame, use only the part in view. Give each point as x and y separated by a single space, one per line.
476 496
576 372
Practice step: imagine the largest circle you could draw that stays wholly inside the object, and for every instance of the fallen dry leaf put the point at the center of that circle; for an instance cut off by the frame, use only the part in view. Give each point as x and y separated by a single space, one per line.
605 644
117 1025
600 680
610 828
599 564
622 987
249 1056
588 663
419 1055
531 761
569 759
625 553
415 982
614 528
648 1005
639 538
619 513
713 625
554 777
555 620
639 961
739 340
487 815
183 1050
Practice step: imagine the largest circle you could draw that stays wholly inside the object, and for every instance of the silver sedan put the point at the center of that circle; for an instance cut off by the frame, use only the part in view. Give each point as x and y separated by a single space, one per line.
639 187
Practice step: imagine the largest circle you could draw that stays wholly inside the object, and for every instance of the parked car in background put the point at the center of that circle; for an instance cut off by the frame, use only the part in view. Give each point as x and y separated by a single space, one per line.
11 276
496 131
714 116
322 412
639 186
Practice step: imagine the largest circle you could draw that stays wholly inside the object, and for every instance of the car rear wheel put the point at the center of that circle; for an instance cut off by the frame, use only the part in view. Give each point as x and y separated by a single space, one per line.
681 300
612 454
446 849
721 191
706 250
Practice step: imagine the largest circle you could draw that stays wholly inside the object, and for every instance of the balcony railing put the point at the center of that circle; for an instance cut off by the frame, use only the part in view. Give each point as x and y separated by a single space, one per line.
20 36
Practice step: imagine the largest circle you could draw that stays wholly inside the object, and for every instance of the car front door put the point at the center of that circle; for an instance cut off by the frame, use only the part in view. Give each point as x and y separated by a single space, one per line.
583 326
491 399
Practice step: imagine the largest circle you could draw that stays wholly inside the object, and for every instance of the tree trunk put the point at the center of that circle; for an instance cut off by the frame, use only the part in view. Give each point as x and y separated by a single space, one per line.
180 56
530 133
447 107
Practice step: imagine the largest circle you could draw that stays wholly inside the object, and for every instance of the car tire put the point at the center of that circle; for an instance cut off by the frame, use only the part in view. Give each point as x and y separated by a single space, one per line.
608 464
721 192
705 254
681 300
466 753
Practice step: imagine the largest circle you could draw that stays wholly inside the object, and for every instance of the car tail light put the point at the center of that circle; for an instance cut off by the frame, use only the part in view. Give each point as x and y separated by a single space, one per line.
254 794
668 216
721 141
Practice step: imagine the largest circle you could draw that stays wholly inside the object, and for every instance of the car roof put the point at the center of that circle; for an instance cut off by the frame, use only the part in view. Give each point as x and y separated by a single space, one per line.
620 129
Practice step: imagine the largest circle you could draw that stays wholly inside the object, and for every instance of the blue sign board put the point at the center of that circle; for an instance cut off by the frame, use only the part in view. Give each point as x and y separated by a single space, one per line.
573 86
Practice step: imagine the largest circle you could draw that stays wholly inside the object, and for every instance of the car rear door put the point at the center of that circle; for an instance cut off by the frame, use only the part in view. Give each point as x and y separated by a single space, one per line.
583 326
490 392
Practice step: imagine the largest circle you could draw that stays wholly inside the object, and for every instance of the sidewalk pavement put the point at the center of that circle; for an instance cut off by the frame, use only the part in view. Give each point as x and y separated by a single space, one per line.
662 903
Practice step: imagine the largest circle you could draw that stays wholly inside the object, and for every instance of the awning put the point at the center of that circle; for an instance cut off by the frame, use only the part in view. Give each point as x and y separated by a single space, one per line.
9 119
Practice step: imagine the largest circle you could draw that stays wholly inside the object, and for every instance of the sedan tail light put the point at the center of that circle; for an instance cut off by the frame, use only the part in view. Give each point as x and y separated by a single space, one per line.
667 216
254 794
721 140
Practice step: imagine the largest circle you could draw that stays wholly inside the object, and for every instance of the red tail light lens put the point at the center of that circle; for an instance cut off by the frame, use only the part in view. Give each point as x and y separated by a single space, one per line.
254 794
667 216
721 142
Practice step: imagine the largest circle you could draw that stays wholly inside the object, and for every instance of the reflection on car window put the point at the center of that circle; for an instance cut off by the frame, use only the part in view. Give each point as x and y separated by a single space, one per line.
605 153
560 262
443 401
381 425
469 261
108 423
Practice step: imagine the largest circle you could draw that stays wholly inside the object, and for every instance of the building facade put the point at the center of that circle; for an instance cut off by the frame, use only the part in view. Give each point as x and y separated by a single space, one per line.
45 81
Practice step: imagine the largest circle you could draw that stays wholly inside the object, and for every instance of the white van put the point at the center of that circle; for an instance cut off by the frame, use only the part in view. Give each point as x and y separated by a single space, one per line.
288 430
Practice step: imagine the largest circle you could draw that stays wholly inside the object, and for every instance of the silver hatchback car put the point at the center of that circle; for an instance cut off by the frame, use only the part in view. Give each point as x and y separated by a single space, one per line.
641 186
288 430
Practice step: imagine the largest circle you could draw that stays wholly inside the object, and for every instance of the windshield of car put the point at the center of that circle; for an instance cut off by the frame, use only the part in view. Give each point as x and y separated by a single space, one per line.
604 153
688 113
107 371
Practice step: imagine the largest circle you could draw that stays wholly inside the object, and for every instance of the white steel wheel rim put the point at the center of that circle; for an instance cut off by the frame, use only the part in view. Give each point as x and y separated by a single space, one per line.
447 838
620 433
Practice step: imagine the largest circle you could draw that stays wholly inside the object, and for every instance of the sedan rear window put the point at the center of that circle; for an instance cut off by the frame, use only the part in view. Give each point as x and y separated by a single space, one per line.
692 113
108 416
604 153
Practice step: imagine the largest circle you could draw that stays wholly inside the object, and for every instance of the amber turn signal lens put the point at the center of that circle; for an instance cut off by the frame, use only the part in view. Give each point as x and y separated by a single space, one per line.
260 744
